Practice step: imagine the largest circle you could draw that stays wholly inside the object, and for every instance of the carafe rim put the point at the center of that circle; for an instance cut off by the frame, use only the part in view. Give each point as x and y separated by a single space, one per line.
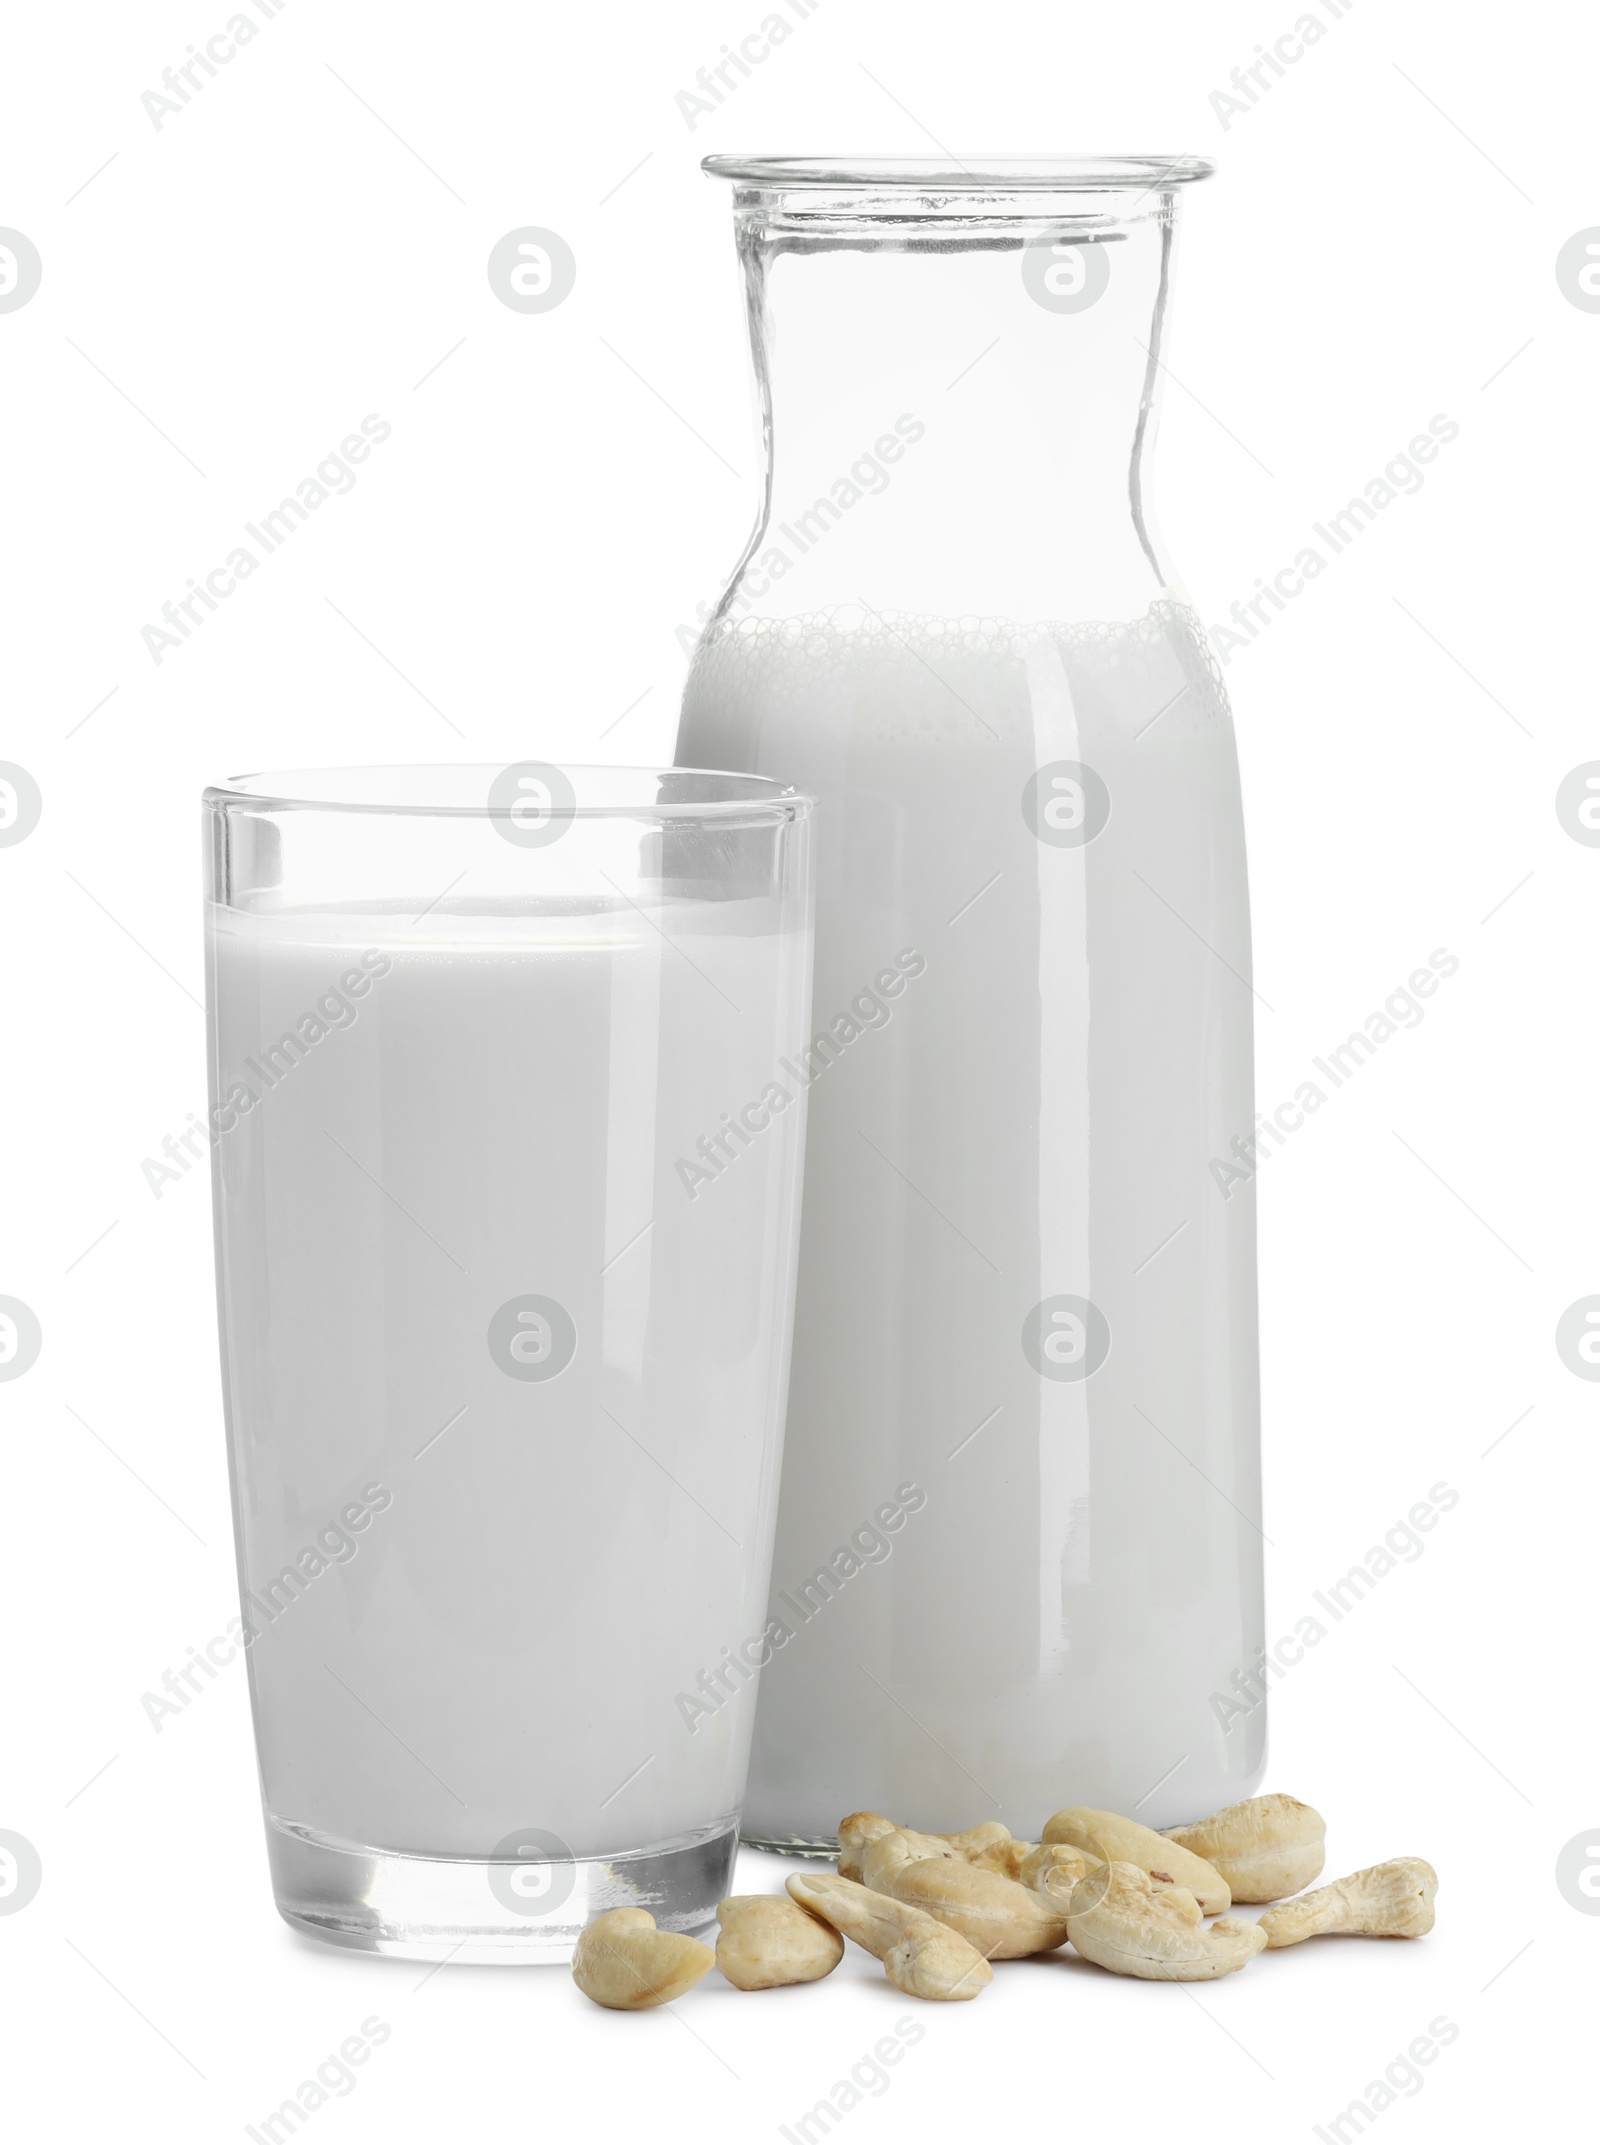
955 175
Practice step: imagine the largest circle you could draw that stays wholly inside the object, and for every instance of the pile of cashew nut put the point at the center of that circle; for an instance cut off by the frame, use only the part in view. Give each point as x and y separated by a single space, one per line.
937 1907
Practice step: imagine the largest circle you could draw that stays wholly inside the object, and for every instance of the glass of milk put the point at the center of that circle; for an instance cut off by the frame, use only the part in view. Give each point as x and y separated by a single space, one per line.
506 1174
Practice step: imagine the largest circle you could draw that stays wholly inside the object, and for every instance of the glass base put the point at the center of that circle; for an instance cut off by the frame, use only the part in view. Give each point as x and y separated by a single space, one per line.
523 1912
824 1845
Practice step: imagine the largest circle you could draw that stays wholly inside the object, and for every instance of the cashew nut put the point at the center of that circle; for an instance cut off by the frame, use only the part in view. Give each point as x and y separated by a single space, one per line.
921 1956
987 1845
1006 1855
897 1850
1265 1848
978 1843
996 1915
1124 1920
623 1961
1123 1839
767 1942
856 1832
1056 1869
1390 1899
899 1845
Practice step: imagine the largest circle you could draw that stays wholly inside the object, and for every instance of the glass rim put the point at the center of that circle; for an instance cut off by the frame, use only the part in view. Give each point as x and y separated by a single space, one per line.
979 174
622 792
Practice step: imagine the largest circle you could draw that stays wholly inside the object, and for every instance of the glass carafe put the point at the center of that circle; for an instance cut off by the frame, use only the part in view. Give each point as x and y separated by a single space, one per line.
1019 1554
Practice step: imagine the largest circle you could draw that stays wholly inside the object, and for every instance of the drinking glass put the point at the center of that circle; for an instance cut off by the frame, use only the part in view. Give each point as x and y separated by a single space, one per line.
506 1177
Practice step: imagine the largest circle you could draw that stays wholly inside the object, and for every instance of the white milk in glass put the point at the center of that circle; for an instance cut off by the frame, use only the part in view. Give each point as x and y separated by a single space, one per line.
1050 1112
504 1580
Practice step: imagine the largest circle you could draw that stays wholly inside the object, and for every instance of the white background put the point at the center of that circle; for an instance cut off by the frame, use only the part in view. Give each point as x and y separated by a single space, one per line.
221 304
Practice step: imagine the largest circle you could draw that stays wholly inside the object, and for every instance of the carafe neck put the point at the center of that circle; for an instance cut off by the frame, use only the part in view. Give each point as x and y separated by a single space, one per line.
958 393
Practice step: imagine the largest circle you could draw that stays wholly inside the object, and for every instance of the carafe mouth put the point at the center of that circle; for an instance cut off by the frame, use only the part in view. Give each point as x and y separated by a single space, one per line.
976 174
912 204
